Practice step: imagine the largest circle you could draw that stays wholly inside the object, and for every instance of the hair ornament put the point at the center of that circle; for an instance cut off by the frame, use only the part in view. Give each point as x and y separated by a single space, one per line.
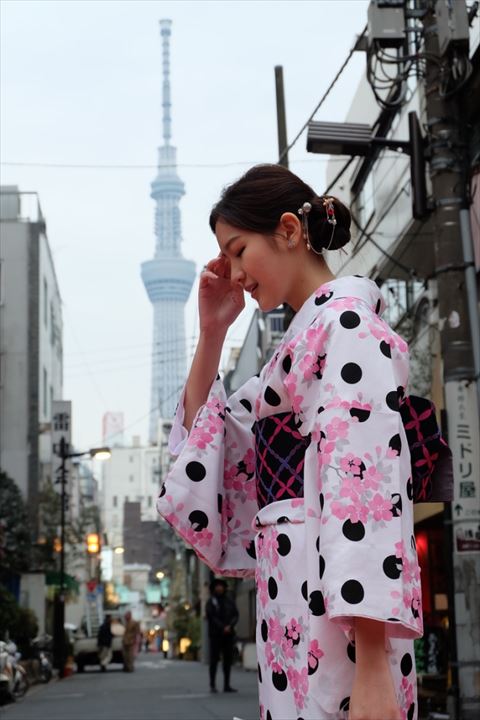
331 219
303 212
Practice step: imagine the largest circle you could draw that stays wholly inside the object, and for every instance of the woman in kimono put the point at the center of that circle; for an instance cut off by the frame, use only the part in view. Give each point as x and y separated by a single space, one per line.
302 477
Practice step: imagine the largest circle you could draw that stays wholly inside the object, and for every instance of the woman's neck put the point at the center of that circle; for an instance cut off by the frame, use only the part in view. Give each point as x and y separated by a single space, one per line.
307 281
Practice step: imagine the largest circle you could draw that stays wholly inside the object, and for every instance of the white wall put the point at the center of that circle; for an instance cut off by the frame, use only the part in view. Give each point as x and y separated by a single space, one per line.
129 475
14 352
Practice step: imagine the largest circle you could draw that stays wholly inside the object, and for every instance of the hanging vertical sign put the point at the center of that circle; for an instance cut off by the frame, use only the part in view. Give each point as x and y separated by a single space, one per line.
463 437
61 428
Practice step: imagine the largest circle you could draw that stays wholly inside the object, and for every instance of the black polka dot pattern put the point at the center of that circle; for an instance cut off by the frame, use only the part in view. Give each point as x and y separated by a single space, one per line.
246 404
345 704
163 490
353 531
395 443
349 320
351 652
305 590
321 566
271 397
195 471
259 672
251 550
410 489
284 544
406 664
351 373
322 299
360 413
392 401
219 502
272 588
198 520
392 567
352 592
279 680
386 349
396 504
264 630
287 363
317 603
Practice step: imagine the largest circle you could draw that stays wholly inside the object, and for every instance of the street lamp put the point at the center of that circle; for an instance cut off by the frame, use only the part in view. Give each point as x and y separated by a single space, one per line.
101 453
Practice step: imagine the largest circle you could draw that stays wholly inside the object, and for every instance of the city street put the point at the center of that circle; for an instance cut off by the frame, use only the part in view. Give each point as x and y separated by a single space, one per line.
158 690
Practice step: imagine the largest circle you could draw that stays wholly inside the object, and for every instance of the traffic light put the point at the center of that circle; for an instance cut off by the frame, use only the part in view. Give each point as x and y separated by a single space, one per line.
93 543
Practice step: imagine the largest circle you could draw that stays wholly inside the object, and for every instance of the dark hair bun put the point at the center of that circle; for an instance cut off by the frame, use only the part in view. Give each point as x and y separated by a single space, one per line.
320 230
259 198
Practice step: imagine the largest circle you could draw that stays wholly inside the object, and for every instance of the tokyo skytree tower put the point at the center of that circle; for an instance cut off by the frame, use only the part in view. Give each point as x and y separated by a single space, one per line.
168 278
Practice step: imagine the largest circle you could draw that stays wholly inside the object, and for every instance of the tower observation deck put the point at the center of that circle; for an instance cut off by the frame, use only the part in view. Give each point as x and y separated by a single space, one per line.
168 278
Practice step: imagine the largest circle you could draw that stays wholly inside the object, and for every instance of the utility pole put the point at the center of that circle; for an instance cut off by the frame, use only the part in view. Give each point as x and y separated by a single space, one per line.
281 117
458 313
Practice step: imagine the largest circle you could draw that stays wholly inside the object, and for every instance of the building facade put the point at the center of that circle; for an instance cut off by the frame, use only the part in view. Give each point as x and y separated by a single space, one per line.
132 474
168 277
31 346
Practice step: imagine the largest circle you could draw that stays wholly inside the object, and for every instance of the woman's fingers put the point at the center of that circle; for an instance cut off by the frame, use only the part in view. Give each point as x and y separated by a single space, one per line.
220 266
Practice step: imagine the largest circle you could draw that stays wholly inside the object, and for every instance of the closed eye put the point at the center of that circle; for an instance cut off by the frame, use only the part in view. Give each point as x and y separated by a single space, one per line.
239 253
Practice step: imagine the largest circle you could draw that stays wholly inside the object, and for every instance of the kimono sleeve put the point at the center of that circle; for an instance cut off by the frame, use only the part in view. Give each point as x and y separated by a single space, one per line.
348 371
209 495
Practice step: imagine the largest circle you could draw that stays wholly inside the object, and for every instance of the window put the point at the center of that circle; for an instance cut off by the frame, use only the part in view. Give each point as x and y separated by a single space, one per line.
45 393
126 499
51 400
131 458
150 501
115 501
130 477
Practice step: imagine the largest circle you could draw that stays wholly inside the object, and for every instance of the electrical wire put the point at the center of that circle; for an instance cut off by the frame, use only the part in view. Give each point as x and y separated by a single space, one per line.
133 166
410 272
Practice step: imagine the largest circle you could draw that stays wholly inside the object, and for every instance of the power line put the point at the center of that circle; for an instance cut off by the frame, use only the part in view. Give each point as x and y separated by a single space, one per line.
133 166
324 96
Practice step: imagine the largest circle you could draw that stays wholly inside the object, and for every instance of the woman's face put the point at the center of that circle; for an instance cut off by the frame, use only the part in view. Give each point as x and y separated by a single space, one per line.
261 264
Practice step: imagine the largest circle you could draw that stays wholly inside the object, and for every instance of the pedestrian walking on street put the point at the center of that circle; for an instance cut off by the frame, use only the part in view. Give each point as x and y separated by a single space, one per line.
104 642
303 477
222 616
130 642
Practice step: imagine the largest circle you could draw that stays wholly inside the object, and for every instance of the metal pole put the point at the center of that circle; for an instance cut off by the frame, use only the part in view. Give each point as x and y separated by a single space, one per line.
472 296
281 117
59 610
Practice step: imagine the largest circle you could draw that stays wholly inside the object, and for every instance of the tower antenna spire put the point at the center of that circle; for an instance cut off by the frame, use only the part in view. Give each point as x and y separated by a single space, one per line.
165 32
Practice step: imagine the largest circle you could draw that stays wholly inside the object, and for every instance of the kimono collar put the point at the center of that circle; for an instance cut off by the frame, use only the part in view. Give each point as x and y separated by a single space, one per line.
351 286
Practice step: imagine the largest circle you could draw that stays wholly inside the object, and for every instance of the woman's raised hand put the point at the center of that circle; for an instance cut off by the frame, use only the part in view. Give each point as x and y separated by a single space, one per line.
220 300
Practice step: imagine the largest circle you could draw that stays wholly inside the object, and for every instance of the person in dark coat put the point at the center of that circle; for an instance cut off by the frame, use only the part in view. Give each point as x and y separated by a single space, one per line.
104 642
222 616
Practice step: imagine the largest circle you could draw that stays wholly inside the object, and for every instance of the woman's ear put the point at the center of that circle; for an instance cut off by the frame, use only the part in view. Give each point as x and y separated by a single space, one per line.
291 226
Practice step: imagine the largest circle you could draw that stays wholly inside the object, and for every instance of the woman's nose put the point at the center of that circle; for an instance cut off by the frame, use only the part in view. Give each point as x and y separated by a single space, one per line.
237 274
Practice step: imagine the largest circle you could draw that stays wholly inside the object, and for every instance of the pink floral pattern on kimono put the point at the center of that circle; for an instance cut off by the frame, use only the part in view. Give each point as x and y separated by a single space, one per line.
302 479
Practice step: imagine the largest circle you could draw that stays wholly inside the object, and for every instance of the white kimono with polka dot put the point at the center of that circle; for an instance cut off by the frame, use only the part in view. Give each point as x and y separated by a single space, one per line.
302 478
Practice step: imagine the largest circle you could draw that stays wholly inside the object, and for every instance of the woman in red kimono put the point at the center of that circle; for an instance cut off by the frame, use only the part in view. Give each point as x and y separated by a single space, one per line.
303 476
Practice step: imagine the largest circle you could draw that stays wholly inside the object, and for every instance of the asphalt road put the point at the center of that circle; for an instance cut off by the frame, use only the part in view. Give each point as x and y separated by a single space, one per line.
158 690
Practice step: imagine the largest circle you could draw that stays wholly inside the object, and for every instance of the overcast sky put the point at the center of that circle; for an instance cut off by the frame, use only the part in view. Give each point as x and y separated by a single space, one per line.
81 85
